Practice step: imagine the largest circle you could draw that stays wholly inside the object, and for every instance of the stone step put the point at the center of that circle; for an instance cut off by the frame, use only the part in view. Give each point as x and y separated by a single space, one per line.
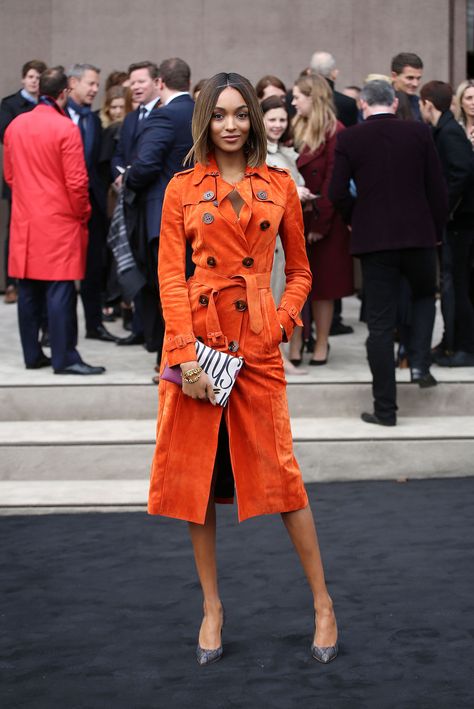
114 457
307 397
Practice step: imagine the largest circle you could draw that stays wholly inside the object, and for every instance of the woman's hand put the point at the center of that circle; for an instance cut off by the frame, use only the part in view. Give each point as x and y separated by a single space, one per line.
313 237
202 389
304 194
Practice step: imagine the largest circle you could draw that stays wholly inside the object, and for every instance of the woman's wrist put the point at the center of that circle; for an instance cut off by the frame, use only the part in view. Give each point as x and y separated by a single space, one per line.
185 366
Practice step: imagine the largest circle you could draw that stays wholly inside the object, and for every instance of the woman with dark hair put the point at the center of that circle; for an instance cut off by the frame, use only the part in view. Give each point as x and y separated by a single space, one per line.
315 129
229 209
270 85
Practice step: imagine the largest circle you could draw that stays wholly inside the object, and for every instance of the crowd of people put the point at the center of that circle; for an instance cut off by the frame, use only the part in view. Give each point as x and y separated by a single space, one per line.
384 173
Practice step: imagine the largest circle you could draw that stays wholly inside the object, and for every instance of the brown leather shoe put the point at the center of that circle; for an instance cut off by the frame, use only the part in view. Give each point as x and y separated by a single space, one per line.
11 295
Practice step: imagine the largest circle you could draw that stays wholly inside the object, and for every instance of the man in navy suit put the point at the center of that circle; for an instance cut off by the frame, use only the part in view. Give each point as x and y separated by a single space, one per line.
162 146
397 218
83 88
143 77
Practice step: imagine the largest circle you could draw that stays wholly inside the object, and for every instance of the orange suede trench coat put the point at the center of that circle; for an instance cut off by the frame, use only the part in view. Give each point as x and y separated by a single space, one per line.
228 305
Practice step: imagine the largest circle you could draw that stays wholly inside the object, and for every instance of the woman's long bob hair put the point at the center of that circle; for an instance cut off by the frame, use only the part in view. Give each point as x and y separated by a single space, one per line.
256 145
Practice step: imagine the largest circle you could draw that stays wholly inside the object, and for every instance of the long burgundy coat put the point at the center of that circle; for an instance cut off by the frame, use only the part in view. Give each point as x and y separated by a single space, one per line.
329 258
44 165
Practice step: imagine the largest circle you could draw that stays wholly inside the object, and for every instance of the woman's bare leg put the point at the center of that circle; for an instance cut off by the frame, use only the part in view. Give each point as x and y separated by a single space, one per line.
203 537
295 343
301 528
322 315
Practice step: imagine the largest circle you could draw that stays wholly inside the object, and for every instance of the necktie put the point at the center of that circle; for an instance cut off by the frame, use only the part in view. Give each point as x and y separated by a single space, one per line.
142 113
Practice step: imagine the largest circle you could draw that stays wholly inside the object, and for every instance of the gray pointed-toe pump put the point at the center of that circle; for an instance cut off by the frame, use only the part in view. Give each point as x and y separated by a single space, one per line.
208 657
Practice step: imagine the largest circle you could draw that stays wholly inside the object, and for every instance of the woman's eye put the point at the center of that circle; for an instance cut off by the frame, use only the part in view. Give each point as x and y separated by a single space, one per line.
217 116
243 116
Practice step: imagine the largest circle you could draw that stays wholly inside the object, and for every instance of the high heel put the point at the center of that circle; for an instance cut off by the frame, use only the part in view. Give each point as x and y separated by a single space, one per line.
208 657
296 362
324 654
320 362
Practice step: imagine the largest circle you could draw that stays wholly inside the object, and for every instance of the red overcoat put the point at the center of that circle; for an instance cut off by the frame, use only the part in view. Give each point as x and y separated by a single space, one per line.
44 165
228 304
330 259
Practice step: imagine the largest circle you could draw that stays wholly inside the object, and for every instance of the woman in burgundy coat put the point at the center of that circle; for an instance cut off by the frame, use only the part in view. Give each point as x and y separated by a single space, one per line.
315 130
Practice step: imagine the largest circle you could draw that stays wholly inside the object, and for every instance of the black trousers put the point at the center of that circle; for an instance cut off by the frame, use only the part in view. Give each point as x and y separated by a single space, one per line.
461 246
382 272
60 299
94 281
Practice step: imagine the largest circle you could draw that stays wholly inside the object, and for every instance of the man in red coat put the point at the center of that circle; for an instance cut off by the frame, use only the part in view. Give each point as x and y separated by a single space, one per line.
44 166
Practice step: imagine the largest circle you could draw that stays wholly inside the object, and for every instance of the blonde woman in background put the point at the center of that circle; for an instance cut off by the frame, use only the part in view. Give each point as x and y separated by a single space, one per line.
465 107
315 128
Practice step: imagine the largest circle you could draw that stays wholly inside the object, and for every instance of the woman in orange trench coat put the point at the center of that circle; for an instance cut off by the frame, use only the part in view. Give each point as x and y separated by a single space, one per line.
230 208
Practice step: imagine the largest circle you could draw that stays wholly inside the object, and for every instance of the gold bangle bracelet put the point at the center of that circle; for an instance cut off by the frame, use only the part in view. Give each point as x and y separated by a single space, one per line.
191 376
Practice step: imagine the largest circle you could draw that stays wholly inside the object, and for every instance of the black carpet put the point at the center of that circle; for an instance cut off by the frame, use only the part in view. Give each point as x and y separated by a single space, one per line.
102 610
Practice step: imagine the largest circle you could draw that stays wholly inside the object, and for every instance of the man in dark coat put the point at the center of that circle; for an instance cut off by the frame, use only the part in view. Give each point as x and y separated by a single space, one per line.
457 161
346 108
84 85
143 77
12 106
407 70
163 144
397 218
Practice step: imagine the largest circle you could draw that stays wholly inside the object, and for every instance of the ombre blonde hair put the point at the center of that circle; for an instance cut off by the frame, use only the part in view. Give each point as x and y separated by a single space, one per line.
314 129
460 91
256 146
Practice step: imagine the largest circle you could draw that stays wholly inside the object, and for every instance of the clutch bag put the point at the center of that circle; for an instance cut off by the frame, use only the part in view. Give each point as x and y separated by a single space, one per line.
221 368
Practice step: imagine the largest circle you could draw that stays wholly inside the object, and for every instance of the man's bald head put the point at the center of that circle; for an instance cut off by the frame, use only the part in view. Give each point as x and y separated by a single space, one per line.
324 63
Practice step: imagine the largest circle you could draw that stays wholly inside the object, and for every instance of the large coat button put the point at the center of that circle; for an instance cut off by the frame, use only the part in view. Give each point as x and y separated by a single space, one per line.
204 300
211 261
247 262
264 225
262 194
208 195
233 346
240 305
207 218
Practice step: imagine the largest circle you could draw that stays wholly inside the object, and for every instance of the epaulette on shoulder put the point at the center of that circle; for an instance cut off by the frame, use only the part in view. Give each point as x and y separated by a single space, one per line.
281 170
184 172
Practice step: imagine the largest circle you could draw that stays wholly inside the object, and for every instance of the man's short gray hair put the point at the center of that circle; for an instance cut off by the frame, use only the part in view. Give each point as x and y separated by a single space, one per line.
323 63
378 93
78 70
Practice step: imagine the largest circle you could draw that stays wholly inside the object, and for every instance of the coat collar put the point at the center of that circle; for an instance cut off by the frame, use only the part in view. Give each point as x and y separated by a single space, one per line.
201 171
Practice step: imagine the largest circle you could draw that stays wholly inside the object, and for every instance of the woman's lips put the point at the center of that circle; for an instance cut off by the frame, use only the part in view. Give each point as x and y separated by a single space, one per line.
231 138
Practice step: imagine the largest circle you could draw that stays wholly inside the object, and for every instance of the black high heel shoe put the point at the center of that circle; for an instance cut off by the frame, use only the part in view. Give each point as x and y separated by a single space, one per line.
320 362
324 654
208 657
297 362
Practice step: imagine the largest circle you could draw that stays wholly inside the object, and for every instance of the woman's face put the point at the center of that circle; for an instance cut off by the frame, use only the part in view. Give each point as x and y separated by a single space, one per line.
276 123
467 101
117 109
272 91
301 102
230 122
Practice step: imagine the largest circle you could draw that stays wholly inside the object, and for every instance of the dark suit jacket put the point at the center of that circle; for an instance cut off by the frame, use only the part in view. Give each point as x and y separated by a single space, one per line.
129 135
401 194
11 107
346 107
97 188
457 161
161 149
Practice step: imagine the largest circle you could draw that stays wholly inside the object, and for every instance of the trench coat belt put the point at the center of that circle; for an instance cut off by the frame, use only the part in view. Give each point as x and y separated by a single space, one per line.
252 282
